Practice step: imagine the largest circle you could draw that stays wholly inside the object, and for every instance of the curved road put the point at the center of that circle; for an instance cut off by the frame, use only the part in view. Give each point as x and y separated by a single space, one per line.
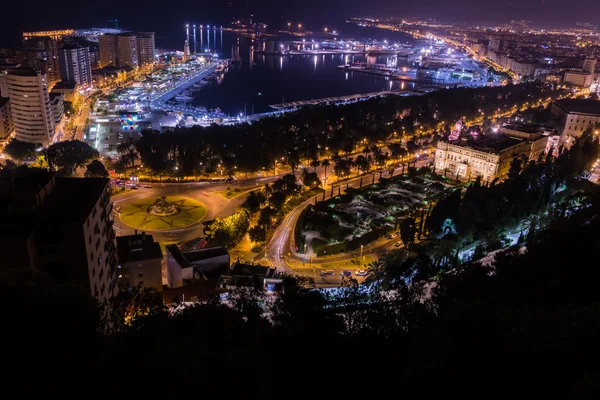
282 243
204 192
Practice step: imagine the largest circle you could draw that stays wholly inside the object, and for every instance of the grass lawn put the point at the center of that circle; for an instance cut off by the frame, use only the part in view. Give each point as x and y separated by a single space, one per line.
136 215
230 194
351 263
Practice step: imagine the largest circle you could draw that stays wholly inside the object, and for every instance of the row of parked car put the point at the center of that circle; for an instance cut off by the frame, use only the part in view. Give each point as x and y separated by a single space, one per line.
130 184
329 272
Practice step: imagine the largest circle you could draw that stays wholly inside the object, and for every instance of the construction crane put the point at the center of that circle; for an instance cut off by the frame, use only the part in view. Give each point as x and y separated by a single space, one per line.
116 21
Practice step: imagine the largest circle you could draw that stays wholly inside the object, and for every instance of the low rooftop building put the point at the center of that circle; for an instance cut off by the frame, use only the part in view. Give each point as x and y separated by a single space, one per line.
183 268
488 157
140 261
248 275
577 114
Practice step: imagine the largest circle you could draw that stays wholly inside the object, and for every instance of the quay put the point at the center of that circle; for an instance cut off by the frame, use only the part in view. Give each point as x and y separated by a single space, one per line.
341 99
310 52
180 87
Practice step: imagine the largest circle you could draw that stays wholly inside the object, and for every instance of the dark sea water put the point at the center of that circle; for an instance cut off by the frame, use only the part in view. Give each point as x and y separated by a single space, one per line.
261 80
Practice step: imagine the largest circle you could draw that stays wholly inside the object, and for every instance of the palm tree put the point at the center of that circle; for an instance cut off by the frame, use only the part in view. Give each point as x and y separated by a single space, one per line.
267 190
325 163
376 273
128 152
315 163
443 251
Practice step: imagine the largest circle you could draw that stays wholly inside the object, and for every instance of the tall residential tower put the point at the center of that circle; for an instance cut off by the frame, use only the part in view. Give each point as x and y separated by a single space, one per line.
30 106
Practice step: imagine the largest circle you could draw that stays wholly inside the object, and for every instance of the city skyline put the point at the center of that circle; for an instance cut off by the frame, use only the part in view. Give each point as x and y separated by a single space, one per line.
312 13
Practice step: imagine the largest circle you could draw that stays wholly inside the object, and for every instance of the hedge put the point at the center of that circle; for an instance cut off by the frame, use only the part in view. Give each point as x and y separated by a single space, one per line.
352 244
298 239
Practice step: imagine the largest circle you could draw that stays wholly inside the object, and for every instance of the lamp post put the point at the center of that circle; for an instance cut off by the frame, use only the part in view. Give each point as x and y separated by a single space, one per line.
361 254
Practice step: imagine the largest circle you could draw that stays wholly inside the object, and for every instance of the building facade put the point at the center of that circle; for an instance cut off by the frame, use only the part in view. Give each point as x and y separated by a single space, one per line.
489 161
6 122
577 115
57 102
3 85
127 51
30 106
186 267
121 50
579 78
49 45
140 261
146 48
589 65
536 135
61 226
108 50
75 65
523 67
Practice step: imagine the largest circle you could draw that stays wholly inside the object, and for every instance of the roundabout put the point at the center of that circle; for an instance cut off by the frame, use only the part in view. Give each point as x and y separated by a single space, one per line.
162 213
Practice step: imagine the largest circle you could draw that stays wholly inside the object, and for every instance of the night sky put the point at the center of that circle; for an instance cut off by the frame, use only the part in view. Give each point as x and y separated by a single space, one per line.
163 16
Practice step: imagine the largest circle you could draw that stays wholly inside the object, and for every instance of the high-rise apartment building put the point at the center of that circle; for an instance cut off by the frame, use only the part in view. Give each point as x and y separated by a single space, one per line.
75 65
57 103
126 49
145 47
589 65
30 106
108 50
6 122
49 46
62 226
3 85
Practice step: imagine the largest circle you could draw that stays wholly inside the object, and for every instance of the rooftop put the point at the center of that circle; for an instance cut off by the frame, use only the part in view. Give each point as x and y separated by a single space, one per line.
65 85
497 144
74 198
54 95
583 106
185 259
71 201
241 269
137 247
34 181
526 128
24 71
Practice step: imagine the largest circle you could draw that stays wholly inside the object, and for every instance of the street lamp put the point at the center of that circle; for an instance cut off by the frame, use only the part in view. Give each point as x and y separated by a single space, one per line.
361 254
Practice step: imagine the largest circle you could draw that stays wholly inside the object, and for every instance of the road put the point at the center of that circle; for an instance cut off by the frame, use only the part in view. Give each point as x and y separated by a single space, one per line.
204 192
282 247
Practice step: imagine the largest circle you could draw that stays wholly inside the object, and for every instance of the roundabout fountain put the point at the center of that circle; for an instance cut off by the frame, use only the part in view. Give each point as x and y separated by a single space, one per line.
163 213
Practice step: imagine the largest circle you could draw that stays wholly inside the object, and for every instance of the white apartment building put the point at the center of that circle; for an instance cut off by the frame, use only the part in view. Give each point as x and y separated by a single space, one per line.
579 78
30 106
75 65
589 65
523 67
57 102
577 114
63 226
6 122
